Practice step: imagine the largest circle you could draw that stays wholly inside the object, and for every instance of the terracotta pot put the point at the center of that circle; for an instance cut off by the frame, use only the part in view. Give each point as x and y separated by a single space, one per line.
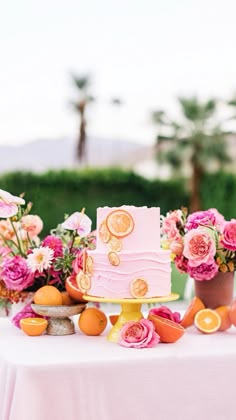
217 291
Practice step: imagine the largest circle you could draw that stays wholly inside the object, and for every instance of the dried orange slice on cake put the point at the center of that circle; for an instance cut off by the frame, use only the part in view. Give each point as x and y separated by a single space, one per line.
139 288
120 223
83 281
104 233
114 244
207 321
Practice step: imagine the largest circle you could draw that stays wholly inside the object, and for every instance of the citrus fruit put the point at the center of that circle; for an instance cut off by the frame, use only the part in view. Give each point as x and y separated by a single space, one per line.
73 289
138 288
48 295
92 321
194 307
113 319
33 326
113 258
232 313
104 233
224 312
169 331
114 244
119 223
83 281
207 321
66 299
89 265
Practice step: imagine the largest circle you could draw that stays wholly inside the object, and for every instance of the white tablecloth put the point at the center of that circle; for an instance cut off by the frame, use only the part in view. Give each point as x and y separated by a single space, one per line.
88 378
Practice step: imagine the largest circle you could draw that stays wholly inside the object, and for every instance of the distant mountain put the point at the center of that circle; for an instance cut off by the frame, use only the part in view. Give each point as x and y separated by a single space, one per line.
42 155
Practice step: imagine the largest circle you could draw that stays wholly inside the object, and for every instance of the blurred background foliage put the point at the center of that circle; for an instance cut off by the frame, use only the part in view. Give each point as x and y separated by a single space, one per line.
57 193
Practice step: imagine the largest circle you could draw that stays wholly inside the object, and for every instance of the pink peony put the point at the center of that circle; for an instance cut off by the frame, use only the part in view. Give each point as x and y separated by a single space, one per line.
79 222
15 273
32 225
9 204
138 334
26 312
165 312
203 271
55 244
201 218
199 247
229 235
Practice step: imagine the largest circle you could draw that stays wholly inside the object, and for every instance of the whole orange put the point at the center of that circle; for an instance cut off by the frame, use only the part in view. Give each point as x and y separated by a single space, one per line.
92 321
224 312
66 299
48 295
232 313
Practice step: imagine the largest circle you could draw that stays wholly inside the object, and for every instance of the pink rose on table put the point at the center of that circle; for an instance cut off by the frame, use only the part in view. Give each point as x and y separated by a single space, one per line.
203 271
229 235
15 273
165 312
26 312
138 334
199 247
200 218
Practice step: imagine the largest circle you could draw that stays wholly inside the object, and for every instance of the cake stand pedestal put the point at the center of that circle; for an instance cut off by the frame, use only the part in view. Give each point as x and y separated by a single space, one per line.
130 310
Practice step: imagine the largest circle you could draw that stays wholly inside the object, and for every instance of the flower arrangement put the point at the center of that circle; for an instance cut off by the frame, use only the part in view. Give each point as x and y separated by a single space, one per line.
26 261
202 243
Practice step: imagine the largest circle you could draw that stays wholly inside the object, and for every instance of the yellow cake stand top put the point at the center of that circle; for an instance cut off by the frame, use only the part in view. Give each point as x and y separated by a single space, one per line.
130 310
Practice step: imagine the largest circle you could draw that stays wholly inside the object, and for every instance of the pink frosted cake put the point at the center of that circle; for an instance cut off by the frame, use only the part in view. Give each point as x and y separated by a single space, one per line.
128 261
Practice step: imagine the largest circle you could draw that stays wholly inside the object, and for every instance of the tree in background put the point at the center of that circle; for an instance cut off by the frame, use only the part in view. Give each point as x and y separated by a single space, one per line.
82 84
197 139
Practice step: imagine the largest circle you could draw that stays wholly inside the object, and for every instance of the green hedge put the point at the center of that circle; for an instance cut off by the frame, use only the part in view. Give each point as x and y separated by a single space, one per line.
56 193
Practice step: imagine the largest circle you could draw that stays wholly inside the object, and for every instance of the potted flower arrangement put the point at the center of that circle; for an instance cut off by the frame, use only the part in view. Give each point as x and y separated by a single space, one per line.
203 245
28 262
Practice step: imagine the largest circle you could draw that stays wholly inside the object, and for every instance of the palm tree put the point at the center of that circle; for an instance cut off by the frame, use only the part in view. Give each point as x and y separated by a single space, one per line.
82 84
197 139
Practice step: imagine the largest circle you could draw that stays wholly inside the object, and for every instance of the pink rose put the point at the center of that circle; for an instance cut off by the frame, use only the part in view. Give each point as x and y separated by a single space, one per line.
199 247
220 220
203 271
77 263
32 225
138 334
15 273
200 218
165 312
169 225
229 235
181 263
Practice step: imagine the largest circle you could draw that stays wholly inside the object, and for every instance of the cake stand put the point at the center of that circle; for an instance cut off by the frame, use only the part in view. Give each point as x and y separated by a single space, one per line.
130 310
59 322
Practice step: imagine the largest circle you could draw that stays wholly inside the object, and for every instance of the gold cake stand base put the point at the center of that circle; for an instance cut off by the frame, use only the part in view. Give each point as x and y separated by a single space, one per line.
130 310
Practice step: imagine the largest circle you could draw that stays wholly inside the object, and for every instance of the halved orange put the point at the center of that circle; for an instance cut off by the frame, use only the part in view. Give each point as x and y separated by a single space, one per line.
193 308
73 290
224 312
33 326
104 233
207 321
139 288
169 331
120 223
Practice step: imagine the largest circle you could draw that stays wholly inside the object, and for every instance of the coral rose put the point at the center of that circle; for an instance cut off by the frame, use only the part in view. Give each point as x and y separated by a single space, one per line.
199 247
229 235
32 225
138 334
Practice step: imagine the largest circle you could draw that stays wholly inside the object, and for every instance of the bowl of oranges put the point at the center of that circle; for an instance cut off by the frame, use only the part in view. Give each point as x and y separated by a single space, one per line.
58 307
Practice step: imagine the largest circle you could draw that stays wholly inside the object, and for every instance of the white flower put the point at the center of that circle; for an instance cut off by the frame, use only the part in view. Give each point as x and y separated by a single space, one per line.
40 259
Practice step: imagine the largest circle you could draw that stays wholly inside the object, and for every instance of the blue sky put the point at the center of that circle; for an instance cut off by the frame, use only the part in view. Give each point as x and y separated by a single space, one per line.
145 52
